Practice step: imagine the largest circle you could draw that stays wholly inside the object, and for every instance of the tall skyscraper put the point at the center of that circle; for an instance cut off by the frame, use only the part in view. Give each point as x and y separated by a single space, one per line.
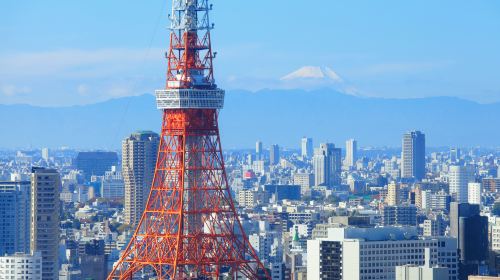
413 155
454 155
258 150
139 152
45 185
307 148
45 154
327 165
15 211
274 154
351 152
471 231
459 178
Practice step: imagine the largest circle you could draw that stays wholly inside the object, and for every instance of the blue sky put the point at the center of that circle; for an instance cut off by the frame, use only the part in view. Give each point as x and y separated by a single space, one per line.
55 53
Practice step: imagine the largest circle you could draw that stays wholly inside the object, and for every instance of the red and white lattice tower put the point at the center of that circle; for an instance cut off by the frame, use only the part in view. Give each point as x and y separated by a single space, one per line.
190 228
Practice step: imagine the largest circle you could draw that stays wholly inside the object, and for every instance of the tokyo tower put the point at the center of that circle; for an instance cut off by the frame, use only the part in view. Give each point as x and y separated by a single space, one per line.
189 228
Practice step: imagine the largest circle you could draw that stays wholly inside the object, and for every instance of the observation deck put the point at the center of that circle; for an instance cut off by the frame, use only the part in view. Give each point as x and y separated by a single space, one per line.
190 99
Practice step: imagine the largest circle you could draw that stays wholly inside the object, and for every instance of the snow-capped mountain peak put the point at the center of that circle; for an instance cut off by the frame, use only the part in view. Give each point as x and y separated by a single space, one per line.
313 73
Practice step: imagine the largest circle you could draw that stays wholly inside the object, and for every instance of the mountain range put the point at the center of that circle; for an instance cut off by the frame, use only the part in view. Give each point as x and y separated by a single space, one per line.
272 116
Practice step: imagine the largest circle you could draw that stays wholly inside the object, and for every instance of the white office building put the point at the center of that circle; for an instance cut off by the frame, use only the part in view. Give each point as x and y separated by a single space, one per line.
459 178
327 165
351 152
269 249
258 150
425 272
307 147
112 185
374 253
21 266
474 193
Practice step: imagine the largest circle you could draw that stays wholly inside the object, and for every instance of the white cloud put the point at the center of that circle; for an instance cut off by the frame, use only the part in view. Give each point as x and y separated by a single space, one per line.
82 89
69 77
12 90
73 63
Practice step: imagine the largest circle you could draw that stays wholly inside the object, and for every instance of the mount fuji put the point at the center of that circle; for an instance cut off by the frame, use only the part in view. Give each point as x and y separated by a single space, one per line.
314 78
314 73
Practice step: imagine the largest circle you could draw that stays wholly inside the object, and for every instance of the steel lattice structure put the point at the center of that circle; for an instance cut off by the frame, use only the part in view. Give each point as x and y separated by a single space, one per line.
190 228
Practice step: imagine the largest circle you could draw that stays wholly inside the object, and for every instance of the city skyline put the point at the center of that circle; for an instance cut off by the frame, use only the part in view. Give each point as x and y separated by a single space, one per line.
327 140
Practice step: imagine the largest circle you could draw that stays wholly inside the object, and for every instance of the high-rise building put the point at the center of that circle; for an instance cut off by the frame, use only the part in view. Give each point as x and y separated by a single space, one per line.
474 193
413 155
436 201
21 266
274 154
258 150
454 155
459 178
45 185
392 194
327 165
351 152
15 211
373 253
139 152
95 163
45 154
307 148
471 231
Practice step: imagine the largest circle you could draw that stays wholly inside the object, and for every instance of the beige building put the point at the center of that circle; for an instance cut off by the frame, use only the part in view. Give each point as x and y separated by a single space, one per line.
45 185
304 180
418 196
247 198
392 194
139 152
